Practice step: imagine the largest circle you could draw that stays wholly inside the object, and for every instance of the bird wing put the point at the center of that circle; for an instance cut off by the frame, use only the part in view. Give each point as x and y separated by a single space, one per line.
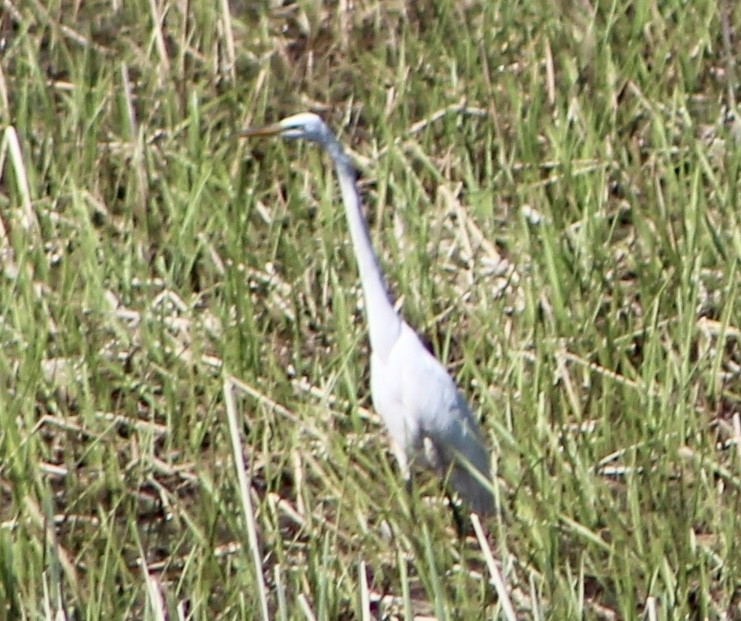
431 399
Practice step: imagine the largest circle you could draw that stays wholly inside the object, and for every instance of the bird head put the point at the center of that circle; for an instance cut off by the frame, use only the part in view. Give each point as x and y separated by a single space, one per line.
306 125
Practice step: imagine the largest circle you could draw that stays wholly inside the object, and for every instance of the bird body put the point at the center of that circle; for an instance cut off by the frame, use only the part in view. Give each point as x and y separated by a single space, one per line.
422 409
425 414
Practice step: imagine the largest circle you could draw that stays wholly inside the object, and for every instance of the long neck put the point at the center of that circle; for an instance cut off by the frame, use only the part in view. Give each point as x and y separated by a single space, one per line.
384 325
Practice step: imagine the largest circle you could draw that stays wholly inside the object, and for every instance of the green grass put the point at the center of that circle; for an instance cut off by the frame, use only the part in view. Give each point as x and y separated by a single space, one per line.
554 193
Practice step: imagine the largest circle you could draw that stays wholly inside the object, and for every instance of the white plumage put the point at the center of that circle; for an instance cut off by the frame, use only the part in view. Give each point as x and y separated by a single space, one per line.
425 414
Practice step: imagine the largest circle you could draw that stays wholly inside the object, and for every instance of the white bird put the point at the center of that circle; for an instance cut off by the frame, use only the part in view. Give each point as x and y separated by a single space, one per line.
424 412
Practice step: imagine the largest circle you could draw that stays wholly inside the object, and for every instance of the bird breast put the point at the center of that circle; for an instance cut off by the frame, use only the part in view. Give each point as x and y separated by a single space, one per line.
412 392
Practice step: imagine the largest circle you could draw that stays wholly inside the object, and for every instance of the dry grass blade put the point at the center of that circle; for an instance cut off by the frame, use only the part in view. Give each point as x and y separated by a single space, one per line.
28 216
306 608
154 593
245 489
496 576
364 597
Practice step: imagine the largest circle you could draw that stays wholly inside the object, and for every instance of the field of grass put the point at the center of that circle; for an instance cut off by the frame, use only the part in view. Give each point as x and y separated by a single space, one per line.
553 189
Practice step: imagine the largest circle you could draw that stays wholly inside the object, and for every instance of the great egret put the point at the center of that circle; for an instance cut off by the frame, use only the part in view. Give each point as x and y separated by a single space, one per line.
424 412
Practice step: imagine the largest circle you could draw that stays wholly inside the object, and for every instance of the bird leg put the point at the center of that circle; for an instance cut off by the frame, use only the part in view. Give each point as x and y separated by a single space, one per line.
406 473
458 518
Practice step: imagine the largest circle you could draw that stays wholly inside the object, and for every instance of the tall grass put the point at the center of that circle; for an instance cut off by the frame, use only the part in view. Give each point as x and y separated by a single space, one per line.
553 189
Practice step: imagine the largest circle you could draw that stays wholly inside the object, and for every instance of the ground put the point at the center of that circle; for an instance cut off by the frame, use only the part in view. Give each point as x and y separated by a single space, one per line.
553 190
